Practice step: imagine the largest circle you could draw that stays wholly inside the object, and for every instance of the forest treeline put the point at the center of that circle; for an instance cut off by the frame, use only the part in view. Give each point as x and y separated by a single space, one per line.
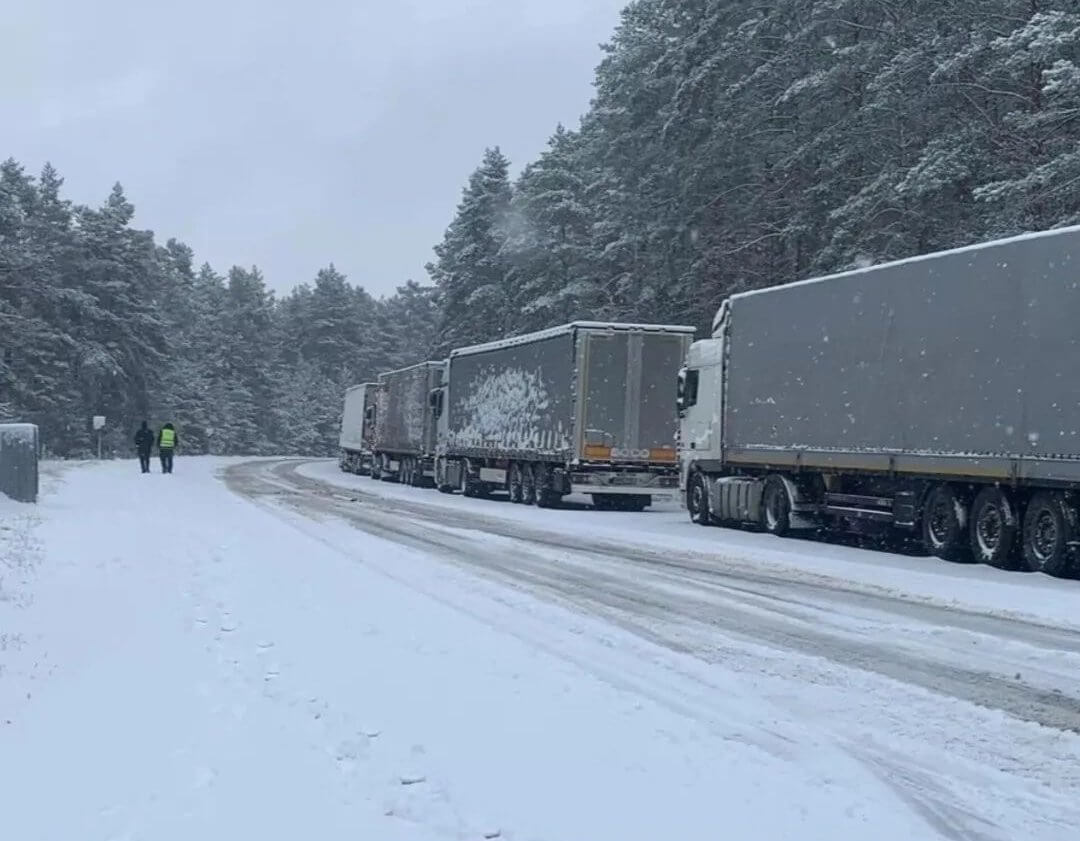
729 145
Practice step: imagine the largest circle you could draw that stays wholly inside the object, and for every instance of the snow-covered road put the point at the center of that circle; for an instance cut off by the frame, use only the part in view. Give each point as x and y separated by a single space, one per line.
272 649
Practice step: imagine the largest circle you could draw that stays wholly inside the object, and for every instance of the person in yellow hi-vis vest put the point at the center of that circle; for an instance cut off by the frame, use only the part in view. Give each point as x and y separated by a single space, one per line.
167 440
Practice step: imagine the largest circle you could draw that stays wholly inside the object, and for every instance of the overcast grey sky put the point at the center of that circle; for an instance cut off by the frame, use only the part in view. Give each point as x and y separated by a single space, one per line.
289 134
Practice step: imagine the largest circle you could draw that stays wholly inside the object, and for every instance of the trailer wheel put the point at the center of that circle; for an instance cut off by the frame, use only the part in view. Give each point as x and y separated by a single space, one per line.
441 469
697 501
776 507
1050 531
993 528
546 497
466 488
515 483
944 519
528 485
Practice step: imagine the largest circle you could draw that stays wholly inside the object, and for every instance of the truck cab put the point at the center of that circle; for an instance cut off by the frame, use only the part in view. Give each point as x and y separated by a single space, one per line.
700 402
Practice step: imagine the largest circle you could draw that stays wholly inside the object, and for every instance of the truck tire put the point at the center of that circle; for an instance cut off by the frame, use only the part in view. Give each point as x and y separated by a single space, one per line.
697 501
546 497
944 519
514 483
1050 530
528 485
776 507
994 528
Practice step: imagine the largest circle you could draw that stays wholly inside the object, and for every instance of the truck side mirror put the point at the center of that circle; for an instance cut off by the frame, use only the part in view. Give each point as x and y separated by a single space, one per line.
687 392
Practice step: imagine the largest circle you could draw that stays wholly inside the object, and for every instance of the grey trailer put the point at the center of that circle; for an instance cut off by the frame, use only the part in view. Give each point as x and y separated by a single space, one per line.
587 407
357 438
937 394
404 445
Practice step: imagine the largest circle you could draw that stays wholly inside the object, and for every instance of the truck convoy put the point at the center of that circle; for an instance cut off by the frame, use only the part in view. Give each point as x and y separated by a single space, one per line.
358 429
938 395
583 408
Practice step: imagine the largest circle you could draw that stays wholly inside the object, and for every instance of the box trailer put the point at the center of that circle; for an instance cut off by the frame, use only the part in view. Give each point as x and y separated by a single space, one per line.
938 394
358 428
404 445
586 407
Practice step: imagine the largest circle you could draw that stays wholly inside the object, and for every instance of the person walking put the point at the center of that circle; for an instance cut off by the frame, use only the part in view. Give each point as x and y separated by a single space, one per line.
144 444
166 441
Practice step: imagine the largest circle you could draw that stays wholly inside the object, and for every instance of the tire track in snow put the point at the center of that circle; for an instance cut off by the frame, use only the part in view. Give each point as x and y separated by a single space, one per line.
639 590
727 611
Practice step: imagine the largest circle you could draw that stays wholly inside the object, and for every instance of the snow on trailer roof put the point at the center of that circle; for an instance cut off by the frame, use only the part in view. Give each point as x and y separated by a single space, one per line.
918 258
428 363
359 385
512 341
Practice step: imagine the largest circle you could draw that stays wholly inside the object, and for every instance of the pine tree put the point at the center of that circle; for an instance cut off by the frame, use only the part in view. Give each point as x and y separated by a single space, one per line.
549 249
244 389
470 270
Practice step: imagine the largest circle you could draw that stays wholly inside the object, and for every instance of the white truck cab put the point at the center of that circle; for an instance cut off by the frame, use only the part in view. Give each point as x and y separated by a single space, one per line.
700 401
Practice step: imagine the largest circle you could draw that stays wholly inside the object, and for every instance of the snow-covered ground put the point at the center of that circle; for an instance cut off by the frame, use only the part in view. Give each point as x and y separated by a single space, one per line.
246 650
666 526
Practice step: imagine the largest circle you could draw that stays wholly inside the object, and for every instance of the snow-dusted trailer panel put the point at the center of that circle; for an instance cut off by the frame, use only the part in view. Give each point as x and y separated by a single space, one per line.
513 399
404 423
966 362
585 391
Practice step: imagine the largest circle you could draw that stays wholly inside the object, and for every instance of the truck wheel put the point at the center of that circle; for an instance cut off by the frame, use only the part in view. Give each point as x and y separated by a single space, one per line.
993 528
776 507
515 483
528 485
697 501
944 520
1050 529
547 498
440 479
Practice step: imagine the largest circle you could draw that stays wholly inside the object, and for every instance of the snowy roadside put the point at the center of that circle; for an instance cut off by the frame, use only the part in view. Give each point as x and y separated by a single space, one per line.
916 578
218 668
20 557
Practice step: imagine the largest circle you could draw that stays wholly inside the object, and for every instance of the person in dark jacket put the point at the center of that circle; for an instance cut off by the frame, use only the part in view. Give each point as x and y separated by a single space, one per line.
144 444
167 441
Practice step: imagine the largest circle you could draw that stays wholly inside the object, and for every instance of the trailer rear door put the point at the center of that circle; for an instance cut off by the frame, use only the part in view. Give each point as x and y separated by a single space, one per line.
629 390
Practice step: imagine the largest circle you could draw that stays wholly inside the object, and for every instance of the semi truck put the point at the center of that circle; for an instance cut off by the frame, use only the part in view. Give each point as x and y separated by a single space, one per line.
404 446
939 395
584 408
358 429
